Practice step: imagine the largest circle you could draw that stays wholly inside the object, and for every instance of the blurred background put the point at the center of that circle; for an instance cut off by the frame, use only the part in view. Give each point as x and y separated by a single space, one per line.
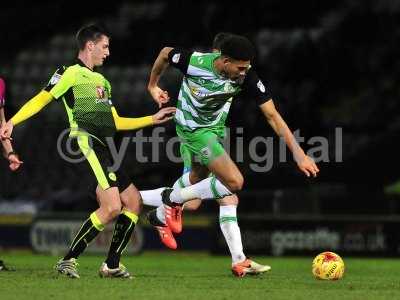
333 70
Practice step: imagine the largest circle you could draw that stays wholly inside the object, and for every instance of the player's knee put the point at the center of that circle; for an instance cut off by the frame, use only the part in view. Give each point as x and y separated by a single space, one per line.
235 184
113 210
229 200
133 202
135 206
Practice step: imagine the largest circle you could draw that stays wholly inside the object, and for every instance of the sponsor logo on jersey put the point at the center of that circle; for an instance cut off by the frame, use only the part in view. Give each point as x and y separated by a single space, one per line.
176 57
260 86
55 79
198 93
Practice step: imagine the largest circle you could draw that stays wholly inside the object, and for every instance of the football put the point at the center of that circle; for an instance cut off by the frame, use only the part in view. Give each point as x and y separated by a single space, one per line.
328 266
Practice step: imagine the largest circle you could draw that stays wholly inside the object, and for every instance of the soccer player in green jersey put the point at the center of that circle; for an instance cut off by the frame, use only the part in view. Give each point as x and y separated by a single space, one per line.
210 82
86 95
153 197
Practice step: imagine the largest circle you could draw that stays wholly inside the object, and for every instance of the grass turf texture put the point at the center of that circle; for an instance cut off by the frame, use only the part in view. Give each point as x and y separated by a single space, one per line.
166 275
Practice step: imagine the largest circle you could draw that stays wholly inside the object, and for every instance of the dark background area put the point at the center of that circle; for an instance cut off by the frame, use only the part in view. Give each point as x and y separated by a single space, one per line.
329 65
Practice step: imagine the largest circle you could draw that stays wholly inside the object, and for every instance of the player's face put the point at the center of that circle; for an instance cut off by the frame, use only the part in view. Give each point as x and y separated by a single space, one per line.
101 49
236 70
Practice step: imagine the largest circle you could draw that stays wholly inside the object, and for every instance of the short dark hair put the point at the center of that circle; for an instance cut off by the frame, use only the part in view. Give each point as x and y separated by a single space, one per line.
219 38
91 32
238 47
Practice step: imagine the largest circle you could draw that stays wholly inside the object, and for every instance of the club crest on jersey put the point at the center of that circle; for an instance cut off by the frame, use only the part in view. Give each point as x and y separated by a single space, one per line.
176 57
260 86
101 94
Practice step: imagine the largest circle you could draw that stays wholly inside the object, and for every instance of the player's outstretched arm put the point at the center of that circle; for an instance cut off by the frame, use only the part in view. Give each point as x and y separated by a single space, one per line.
305 163
29 109
161 63
162 116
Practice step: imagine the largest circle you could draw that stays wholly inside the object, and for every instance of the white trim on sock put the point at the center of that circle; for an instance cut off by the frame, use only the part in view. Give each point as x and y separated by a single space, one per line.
184 179
231 231
227 210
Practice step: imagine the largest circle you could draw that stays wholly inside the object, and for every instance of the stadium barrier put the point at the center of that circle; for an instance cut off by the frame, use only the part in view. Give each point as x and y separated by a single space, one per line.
53 234
308 235
261 235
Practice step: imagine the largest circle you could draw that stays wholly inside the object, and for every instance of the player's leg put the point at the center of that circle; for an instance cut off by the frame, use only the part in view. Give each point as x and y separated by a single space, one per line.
227 215
227 181
192 173
229 227
123 229
204 145
108 197
231 231
110 205
156 217
153 197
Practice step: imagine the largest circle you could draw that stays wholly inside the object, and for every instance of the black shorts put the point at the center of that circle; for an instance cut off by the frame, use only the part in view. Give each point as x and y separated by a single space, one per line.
101 163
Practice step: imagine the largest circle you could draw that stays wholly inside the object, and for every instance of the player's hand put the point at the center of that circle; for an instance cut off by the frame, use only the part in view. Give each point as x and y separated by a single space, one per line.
159 95
164 115
14 162
6 130
307 165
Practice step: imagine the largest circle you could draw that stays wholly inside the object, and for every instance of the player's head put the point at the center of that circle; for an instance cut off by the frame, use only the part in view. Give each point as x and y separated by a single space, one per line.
236 53
95 40
219 38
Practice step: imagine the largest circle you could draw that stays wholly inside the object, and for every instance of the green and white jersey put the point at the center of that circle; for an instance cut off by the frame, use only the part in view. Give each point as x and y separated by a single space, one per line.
87 98
205 96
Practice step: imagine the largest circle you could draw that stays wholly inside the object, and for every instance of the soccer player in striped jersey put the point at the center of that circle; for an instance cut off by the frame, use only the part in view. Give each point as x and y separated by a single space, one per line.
86 96
210 82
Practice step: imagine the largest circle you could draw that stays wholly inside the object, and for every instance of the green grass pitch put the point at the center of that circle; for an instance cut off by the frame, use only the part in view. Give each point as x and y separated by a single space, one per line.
177 275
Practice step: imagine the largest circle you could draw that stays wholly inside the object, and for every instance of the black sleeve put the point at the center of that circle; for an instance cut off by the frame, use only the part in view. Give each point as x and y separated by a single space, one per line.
180 58
254 88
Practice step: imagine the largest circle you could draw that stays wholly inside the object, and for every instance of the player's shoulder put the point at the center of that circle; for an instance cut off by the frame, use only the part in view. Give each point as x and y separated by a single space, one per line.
66 71
203 60
62 68
251 78
212 55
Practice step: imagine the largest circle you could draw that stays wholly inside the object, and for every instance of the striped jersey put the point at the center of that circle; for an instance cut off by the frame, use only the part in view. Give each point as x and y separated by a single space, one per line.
205 96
